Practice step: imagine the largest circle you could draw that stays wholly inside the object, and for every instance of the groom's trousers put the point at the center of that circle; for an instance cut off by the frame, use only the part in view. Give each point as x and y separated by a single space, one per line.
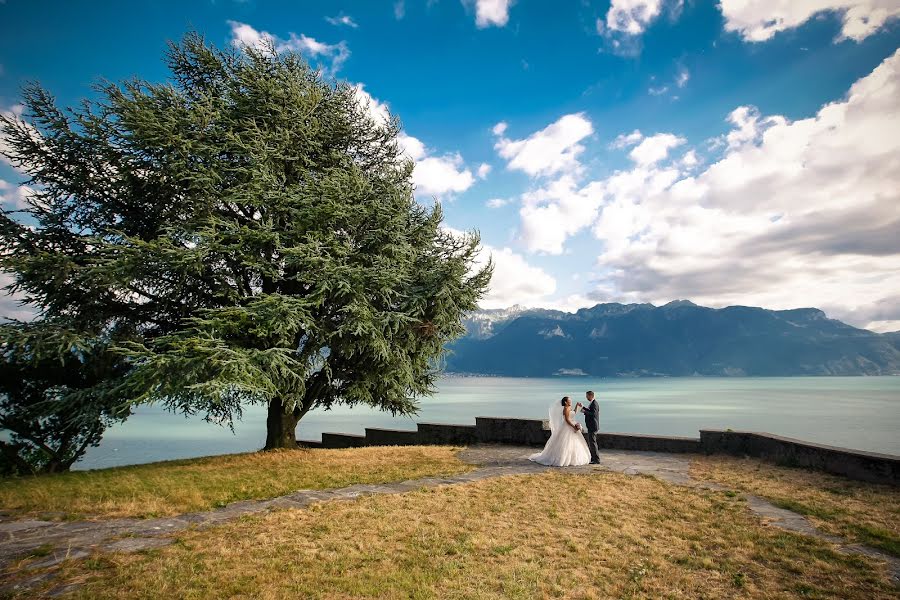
592 445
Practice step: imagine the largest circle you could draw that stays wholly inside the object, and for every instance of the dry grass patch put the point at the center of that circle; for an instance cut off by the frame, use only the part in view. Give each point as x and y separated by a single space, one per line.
554 535
174 487
863 512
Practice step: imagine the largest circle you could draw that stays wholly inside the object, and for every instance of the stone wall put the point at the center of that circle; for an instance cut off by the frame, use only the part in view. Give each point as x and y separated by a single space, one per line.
342 440
391 437
505 430
496 430
652 443
855 464
439 433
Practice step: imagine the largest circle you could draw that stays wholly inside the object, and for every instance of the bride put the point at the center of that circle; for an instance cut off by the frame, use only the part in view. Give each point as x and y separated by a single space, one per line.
566 446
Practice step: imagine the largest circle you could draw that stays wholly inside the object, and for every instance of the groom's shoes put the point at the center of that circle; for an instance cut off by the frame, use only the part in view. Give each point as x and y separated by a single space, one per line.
595 462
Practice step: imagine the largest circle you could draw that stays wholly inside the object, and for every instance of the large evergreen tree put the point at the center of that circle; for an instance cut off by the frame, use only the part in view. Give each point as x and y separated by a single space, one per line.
250 228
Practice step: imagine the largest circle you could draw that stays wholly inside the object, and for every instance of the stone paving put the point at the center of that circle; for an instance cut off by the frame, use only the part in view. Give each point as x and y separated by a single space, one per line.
57 541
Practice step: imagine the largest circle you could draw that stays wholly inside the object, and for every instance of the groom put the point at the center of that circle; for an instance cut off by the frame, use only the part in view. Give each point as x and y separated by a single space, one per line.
592 420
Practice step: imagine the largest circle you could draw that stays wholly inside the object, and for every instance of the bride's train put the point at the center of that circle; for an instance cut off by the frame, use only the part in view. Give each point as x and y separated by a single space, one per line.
566 447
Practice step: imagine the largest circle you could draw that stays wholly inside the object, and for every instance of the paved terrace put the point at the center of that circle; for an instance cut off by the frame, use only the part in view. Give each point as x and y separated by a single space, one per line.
78 539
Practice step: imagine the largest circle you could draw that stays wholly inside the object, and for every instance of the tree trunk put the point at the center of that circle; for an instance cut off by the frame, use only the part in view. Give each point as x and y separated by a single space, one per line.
56 465
281 426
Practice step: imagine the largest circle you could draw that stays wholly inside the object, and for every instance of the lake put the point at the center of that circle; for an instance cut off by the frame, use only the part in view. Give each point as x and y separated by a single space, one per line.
854 412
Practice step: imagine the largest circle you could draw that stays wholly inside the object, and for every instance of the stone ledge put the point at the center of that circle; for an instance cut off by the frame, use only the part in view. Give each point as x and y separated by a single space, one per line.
855 464
391 437
504 430
648 443
440 433
342 440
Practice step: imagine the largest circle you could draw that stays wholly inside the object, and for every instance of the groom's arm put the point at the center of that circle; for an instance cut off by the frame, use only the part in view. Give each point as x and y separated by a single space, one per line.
590 410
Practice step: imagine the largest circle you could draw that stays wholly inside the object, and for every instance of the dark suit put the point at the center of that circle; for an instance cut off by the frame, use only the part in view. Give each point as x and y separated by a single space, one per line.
592 420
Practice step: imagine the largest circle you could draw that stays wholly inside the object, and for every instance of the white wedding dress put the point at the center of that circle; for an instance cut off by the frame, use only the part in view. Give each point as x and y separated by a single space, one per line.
566 447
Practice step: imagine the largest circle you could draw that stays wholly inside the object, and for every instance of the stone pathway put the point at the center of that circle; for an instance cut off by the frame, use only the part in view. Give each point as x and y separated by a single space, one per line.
58 541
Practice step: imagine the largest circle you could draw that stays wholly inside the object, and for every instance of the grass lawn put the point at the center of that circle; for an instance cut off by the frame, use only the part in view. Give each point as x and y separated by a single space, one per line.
174 487
863 512
553 535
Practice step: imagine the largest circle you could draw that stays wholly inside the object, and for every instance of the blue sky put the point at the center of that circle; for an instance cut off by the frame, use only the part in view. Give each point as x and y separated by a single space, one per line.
639 150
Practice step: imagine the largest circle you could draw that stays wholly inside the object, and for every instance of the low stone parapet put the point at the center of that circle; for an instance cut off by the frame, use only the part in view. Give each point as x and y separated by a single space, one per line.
391 437
647 443
343 440
855 464
506 430
440 433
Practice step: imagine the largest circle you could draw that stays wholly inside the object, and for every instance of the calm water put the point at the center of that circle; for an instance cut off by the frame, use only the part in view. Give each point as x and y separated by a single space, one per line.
855 412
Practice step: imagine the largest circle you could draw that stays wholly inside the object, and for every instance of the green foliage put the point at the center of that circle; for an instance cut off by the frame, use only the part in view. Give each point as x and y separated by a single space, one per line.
56 397
249 229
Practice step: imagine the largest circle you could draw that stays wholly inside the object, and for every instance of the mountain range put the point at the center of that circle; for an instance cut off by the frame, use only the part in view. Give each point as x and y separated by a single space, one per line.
677 339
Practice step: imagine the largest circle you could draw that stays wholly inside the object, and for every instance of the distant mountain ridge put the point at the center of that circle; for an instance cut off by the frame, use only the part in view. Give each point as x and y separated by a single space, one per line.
677 339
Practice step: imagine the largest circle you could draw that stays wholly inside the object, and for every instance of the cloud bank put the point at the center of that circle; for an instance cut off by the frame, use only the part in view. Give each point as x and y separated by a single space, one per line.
790 213
434 176
759 20
332 56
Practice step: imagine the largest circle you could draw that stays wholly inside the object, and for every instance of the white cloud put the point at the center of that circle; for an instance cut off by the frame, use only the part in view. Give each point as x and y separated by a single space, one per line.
499 128
483 170
631 16
883 326
14 197
515 281
655 148
15 113
441 175
627 139
748 126
436 175
491 12
552 214
551 150
377 110
571 303
399 9
795 213
342 20
245 35
759 20
690 159
10 305
412 147
497 202
754 20
433 175
680 81
882 315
